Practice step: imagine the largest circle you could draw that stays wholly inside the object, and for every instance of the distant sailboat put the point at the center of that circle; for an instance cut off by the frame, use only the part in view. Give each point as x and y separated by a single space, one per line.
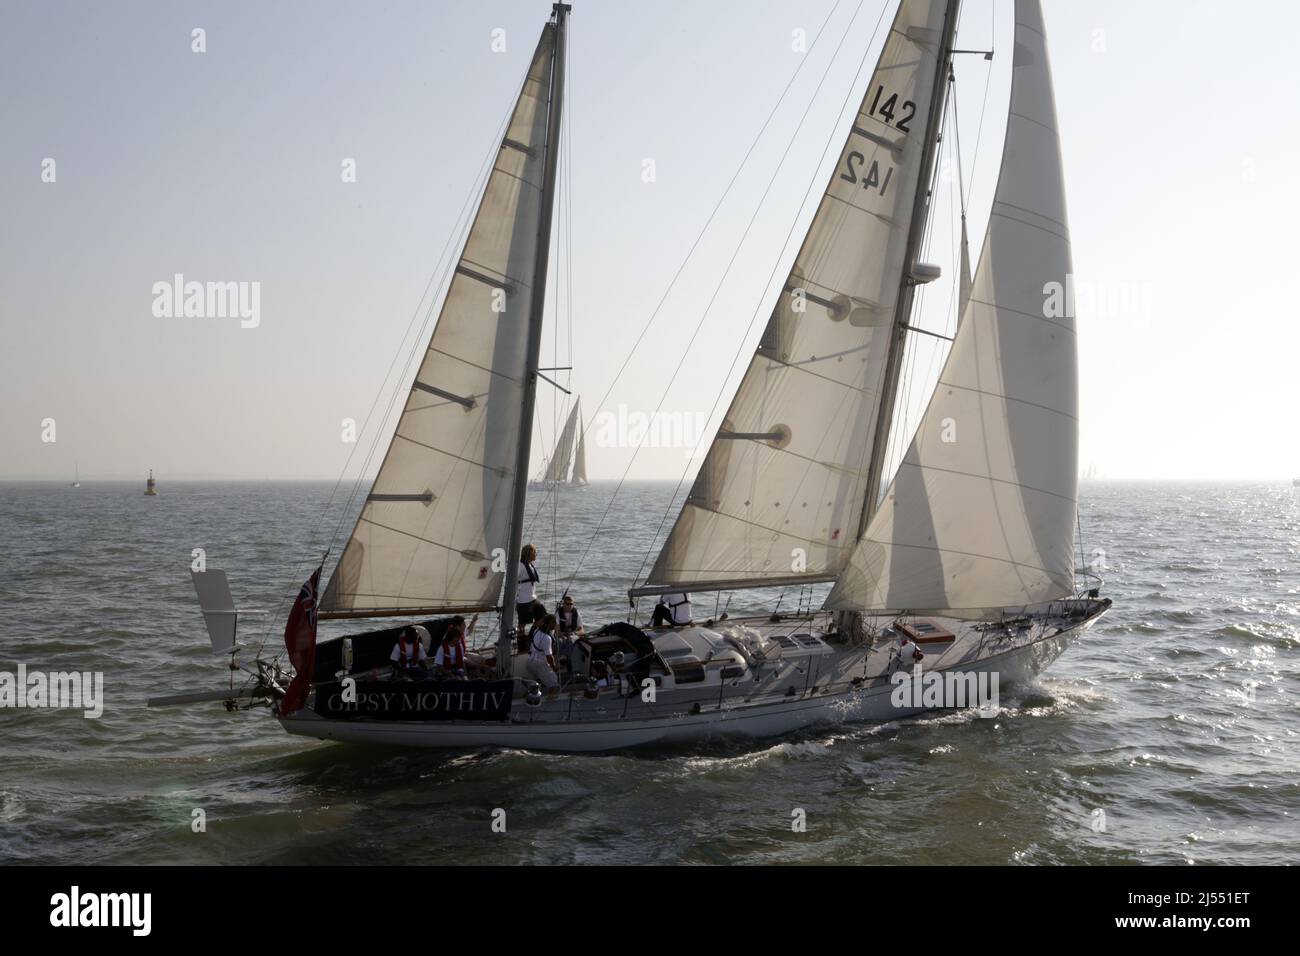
76 471
966 552
151 486
557 467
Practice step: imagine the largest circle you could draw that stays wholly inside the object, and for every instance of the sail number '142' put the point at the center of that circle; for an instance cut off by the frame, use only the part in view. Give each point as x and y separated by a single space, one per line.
870 181
885 112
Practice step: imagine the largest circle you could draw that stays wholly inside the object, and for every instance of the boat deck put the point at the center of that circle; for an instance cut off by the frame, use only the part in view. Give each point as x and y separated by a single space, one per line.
743 677
699 673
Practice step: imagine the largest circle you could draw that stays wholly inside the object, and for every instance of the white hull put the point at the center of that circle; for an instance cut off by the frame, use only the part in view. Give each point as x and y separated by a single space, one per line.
868 703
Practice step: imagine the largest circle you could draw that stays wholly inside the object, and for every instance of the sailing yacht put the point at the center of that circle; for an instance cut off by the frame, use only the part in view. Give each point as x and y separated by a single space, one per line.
570 449
76 473
956 563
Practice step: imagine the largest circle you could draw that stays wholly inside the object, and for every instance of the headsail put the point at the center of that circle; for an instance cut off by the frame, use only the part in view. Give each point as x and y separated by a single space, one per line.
981 512
441 501
780 493
558 467
580 456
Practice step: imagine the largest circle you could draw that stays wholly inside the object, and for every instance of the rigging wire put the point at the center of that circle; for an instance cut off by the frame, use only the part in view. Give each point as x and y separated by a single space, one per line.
713 214
963 195
831 138
988 77
460 227
901 436
901 428
419 344
726 271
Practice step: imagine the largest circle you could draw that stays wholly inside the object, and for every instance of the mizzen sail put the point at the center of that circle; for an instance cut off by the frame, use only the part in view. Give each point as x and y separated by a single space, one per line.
980 515
780 492
441 501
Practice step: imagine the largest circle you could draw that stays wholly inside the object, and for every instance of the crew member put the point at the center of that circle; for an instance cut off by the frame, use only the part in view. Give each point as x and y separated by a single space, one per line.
541 657
569 619
409 656
527 593
450 660
673 610
909 654
536 611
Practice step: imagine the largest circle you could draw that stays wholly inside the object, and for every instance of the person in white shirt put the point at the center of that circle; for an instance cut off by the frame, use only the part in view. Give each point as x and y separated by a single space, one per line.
541 657
450 660
909 654
673 610
527 580
409 655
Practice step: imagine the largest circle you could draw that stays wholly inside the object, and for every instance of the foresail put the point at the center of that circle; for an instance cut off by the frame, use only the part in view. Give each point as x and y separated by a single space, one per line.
441 501
780 492
558 467
580 456
980 515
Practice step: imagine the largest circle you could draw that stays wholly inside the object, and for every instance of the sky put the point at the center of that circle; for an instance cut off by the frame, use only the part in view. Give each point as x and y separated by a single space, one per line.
1179 129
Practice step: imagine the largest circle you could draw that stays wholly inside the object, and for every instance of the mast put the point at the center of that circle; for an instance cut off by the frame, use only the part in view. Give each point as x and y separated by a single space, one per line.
505 649
907 289
985 527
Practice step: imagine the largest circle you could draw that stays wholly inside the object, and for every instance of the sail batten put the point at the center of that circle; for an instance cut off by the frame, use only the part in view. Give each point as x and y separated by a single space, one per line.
781 490
441 500
980 514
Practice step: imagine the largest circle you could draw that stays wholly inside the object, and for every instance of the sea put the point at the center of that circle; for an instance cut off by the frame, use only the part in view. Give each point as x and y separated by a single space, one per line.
1168 735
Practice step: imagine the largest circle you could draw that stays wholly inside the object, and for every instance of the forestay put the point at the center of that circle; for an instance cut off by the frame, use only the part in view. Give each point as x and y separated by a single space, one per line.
442 498
780 492
980 514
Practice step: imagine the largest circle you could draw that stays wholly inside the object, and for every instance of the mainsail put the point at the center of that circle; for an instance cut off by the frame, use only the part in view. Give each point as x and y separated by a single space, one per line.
980 515
441 501
781 490
558 467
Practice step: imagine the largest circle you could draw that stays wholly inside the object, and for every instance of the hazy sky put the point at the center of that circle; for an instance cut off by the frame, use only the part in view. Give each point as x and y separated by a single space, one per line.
1179 124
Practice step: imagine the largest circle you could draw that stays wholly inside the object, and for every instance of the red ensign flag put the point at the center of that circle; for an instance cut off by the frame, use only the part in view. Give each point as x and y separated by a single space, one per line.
300 642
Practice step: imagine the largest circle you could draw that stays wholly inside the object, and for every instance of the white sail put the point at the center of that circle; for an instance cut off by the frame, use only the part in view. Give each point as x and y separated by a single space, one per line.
558 467
780 493
980 515
580 456
441 501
